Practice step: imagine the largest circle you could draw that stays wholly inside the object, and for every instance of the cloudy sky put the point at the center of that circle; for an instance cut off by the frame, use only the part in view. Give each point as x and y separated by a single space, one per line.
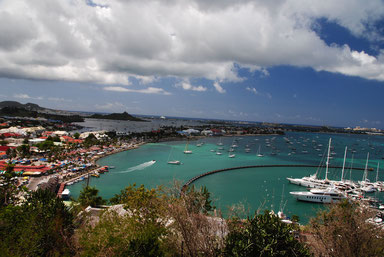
292 61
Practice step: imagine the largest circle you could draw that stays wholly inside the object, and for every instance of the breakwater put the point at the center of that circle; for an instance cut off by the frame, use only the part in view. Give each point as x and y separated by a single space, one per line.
186 184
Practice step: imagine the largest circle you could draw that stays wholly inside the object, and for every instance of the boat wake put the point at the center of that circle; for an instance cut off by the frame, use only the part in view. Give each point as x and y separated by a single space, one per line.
140 166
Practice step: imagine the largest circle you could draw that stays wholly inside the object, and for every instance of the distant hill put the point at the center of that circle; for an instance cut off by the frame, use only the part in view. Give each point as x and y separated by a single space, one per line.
16 109
116 116
22 112
27 106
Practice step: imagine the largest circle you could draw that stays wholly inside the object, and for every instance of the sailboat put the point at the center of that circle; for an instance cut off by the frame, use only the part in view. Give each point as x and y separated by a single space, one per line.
186 151
366 186
220 143
174 162
259 154
199 144
312 181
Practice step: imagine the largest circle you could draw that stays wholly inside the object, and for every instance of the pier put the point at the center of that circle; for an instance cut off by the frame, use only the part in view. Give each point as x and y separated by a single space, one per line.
184 187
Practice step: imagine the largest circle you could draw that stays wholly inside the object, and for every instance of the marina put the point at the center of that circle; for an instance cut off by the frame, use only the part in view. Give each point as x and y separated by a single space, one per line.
249 179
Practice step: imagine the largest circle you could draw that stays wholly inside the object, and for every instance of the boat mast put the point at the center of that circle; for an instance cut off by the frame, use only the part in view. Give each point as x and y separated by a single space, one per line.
342 171
350 170
377 172
366 169
169 156
327 163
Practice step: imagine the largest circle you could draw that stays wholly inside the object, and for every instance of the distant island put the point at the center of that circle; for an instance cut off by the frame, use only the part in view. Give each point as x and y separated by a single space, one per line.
31 110
115 116
13 111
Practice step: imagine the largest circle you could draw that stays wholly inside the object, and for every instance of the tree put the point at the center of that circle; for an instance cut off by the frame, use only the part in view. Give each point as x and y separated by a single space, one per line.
11 153
23 150
41 226
194 232
198 200
146 203
90 140
8 189
76 135
137 230
56 139
89 197
345 230
122 235
262 235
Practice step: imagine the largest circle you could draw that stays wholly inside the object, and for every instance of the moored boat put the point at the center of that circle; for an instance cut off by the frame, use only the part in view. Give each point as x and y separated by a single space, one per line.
328 195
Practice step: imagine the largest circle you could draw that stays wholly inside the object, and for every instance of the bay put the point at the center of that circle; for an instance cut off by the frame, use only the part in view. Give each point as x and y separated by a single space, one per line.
265 188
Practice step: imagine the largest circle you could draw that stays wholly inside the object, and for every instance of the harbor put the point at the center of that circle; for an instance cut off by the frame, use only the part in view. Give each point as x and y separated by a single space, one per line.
258 180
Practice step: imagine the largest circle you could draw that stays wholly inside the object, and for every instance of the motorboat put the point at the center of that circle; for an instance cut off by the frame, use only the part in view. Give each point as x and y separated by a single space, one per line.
328 195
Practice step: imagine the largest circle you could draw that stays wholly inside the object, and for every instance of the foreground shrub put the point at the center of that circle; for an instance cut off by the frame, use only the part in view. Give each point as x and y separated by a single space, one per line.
346 230
133 227
262 235
41 226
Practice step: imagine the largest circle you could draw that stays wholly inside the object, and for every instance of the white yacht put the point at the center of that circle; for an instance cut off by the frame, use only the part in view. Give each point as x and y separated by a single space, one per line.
312 181
328 195
174 162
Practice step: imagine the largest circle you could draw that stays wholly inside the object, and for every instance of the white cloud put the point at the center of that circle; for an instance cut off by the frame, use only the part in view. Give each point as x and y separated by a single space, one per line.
111 106
252 90
186 85
22 96
59 99
218 87
26 96
149 90
114 40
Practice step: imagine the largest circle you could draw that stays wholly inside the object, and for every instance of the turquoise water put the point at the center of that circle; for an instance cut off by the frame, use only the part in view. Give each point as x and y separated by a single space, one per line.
257 187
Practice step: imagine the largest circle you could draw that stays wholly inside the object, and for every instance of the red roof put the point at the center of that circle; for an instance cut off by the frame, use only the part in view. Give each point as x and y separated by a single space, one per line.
11 135
40 168
4 148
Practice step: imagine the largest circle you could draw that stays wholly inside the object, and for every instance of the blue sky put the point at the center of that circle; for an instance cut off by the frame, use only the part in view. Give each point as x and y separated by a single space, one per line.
297 61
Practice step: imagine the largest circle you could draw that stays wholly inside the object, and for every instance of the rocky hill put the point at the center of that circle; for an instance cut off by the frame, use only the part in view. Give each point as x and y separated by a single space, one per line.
13 108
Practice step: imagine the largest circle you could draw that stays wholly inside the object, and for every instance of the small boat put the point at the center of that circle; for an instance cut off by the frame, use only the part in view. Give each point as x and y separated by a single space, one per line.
218 153
259 154
65 195
231 155
174 162
186 151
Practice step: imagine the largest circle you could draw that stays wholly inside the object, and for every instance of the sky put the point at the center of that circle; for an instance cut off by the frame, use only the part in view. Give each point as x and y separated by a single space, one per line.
286 61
